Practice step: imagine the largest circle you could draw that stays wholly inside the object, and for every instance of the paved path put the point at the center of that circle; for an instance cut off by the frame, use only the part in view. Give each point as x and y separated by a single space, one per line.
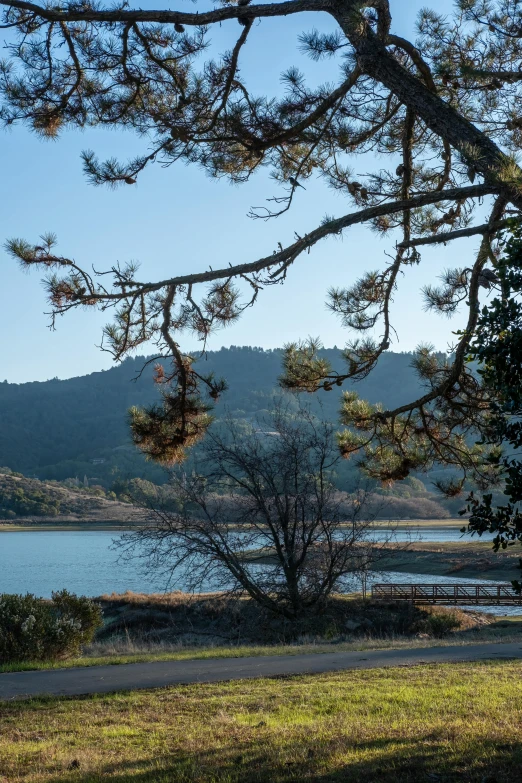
131 676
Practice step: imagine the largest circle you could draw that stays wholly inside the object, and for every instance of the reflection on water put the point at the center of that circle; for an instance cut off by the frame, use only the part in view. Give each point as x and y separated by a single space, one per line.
83 562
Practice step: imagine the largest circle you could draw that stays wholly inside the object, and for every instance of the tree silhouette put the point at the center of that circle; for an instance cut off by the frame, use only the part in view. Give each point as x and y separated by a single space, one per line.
264 488
442 112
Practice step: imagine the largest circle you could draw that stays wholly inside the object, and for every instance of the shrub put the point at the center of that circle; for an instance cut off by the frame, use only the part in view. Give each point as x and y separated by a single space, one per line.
439 624
36 629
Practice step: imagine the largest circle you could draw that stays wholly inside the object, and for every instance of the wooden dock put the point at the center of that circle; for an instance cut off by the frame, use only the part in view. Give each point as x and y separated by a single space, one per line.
462 594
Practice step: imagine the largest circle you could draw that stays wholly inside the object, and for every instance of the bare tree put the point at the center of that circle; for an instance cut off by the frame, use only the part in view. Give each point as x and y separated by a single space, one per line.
442 112
263 517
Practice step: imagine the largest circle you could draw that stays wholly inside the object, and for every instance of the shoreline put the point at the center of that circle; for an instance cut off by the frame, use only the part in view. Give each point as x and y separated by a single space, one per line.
67 527
26 526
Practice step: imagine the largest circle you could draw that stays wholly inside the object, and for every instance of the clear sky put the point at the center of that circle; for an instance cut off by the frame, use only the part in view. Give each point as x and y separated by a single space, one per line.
177 219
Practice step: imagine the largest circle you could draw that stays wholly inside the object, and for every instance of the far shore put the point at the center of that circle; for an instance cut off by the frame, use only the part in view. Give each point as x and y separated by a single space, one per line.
51 525
41 527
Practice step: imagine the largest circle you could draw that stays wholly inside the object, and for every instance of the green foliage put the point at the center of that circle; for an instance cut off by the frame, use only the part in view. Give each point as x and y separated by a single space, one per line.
36 629
146 494
27 498
165 432
416 485
21 496
439 624
304 368
497 348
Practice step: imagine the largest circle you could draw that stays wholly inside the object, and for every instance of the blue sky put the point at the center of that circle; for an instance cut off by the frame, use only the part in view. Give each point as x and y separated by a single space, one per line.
177 219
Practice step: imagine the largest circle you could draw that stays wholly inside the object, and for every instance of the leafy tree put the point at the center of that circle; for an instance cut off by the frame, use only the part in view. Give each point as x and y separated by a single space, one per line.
442 113
498 349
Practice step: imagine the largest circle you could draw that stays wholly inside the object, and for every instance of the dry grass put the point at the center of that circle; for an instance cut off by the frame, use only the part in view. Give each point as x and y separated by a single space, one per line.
174 599
452 722
146 640
118 653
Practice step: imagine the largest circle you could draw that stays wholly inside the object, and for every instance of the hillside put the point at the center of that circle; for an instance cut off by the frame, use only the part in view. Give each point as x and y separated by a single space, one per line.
77 427
32 501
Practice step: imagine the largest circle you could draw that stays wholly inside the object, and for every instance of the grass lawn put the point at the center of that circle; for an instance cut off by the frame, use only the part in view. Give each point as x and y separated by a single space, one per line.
451 722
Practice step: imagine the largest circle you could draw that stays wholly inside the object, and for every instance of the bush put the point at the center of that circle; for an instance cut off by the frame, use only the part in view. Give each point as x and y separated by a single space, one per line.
36 629
439 624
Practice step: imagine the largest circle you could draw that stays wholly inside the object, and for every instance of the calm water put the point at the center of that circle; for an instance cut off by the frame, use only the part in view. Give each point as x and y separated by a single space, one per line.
80 561
83 562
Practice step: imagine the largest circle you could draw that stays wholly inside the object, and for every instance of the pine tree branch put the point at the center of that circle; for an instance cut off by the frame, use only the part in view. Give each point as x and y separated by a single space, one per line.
251 12
448 236
477 149
416 57
469 331
316 114
505 76
231 72
286 256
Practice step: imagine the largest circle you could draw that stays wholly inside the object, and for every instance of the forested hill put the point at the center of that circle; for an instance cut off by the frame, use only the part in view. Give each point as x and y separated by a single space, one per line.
59 429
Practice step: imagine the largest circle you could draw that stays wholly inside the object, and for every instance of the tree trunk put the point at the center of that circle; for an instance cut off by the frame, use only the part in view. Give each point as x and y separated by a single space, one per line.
475 147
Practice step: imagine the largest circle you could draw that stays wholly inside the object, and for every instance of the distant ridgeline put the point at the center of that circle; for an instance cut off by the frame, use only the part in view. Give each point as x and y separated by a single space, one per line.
78 427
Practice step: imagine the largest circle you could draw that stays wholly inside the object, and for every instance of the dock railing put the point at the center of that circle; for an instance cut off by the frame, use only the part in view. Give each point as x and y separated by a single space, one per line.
485 595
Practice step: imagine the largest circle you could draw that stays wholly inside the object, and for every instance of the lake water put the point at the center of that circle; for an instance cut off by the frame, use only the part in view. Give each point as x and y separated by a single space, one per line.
81 561
85 563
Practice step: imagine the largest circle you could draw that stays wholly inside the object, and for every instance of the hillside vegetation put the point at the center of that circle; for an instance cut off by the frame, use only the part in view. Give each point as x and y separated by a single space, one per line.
57 429
23 498
76 430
